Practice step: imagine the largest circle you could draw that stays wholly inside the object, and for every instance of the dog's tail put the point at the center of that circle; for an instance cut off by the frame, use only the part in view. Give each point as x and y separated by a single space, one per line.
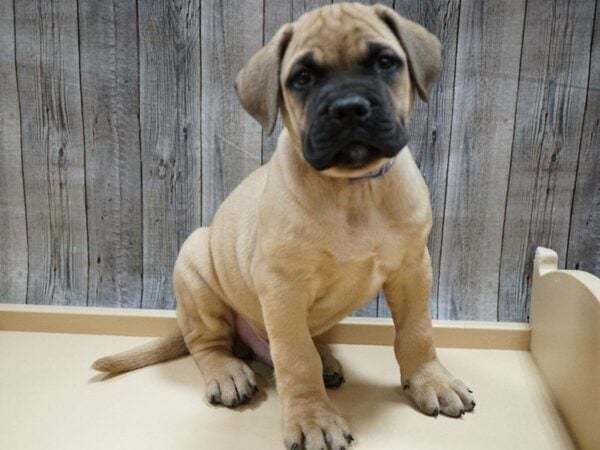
153 352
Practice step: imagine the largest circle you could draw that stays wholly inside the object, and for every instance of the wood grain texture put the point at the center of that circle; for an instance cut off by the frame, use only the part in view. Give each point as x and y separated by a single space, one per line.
299 7
482 128
551 103
109 85
231 139
170 115
120 132
584 235
431 123
53 151
13 227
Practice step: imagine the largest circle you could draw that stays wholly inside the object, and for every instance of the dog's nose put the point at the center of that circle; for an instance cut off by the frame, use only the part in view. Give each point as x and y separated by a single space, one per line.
351 108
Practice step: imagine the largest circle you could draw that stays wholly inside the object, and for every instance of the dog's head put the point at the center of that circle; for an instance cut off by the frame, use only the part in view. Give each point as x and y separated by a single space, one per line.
344 79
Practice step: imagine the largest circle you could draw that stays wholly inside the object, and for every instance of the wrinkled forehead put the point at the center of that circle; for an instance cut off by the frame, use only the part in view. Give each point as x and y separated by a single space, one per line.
338 36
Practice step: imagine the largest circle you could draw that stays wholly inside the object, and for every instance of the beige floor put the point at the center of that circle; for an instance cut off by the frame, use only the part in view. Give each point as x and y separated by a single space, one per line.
50 399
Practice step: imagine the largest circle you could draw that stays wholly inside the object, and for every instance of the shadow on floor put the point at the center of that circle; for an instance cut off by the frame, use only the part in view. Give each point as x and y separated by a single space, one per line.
359 400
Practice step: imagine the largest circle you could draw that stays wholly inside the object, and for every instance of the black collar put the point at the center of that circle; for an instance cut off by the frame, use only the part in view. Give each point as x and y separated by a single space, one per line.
378 172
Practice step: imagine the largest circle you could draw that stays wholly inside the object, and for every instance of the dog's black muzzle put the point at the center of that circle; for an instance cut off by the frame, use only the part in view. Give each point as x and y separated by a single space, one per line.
350 123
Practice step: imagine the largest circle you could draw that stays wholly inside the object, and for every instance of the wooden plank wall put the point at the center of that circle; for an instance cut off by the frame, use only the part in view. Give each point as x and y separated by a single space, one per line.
13 244
120 133
52 150
553 81
583 251
110 99
170 131
485 94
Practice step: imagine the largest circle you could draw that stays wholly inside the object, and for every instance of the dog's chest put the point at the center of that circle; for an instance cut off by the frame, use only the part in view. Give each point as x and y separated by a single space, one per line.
365 238
358 256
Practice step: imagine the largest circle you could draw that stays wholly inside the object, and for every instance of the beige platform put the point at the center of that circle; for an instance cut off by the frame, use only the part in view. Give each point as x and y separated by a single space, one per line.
50 399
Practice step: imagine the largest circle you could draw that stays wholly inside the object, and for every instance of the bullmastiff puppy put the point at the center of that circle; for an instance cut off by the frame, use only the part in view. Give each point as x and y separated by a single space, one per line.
340 211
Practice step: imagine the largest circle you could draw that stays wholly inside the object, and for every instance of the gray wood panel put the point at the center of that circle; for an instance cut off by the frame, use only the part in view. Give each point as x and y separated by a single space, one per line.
13 228
170 115
231 139
552 95
431 123
299 7
120 132
109 85
584 235
482 127
53 150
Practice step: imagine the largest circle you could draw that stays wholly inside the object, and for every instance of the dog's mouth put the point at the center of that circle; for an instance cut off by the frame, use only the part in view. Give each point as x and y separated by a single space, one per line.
351 123
356 155
327 144
352 154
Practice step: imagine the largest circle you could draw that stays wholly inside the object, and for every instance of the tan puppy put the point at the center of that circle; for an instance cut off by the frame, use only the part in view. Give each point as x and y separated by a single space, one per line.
340 211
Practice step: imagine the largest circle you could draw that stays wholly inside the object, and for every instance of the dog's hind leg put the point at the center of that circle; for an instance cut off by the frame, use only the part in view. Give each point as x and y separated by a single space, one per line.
207 326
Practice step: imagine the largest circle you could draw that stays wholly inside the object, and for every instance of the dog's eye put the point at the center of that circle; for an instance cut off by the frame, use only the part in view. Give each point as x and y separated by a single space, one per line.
303 78
386 62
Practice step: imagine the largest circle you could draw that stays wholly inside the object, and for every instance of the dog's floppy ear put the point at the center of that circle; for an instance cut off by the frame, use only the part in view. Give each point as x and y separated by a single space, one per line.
257 84
423 49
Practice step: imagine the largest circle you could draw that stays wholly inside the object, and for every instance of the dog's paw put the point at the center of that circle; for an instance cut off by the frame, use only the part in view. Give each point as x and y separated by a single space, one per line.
333 376
435 390
230 384
315 426
332 380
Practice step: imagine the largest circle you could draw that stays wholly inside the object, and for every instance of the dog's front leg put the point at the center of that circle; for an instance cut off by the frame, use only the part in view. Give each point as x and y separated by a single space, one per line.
310 420
424 378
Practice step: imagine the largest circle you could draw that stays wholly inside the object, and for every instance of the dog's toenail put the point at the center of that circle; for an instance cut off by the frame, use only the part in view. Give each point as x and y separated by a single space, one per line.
435 412
406 386
462 412
213 400
245 399
349 438
473 404
294 446
470 391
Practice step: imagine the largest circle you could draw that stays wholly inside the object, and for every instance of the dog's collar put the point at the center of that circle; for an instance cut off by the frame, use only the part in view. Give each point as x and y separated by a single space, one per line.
378 172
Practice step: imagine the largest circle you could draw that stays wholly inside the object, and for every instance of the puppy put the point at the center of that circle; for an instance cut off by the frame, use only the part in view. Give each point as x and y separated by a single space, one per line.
340 211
